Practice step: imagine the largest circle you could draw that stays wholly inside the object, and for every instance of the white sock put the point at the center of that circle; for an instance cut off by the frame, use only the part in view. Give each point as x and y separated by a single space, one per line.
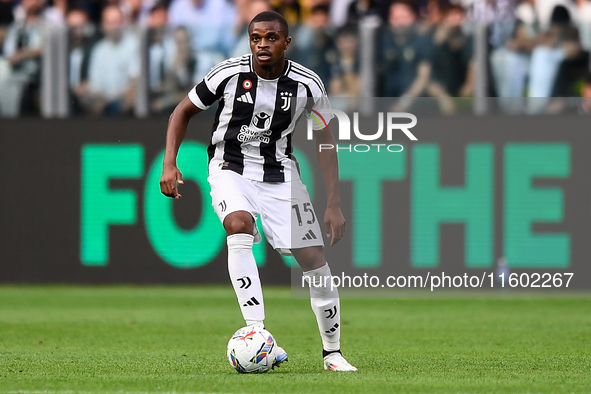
326 307
244 275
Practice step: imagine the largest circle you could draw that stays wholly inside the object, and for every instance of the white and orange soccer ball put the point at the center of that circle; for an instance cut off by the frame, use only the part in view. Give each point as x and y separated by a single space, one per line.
252 350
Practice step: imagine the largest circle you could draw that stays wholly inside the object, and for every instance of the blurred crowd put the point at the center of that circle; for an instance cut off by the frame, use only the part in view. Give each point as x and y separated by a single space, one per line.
535 49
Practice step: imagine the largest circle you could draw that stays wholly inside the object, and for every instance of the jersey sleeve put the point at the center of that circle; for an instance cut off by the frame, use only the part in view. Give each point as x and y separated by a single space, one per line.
321 104
202 96
209 90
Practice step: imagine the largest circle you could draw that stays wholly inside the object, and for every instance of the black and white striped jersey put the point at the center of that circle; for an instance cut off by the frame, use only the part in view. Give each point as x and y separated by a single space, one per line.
256 116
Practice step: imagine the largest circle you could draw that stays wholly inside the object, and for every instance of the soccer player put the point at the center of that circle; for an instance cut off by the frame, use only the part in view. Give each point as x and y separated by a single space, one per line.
252 171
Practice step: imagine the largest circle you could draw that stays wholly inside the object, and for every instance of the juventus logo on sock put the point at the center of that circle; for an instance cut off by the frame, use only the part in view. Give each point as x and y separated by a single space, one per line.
332 329
331 312
252 302
245 282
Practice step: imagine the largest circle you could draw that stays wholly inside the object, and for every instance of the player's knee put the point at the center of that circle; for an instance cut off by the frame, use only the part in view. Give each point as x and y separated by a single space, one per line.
309 258
238 225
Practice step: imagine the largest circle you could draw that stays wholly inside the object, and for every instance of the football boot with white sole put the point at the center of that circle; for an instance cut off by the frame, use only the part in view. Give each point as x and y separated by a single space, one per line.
336 362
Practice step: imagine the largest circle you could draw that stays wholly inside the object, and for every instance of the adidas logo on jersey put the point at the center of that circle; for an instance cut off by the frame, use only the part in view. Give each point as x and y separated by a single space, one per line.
310 235
245 98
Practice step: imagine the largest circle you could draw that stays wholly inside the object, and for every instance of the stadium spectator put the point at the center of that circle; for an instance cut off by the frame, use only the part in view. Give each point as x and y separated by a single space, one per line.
93 8
584 20
160 49
6 18
247 10
82 38
292 10
498 15
108 3
430 13
579 104
509 62
183 63
171 62
344 84
21 61
210 23
137 12
512 41
531 48
571 73
546 59
55 13
180 73
546 11
359 10
313 45
113 67
338 12
404 56
451 60
573 68
424 48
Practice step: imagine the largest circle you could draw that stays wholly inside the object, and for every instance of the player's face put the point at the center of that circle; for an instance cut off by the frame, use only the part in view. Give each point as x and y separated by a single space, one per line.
268 43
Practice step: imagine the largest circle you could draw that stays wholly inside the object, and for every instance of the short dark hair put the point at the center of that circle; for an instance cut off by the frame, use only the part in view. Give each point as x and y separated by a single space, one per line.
271 16
158 5
571 33
323 8
449 8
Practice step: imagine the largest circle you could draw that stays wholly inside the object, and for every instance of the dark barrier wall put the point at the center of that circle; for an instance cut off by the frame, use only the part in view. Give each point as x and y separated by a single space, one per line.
85 206
81 201
471 192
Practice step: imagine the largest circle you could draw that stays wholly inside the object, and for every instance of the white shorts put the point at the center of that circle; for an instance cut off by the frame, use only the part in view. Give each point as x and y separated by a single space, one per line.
288 218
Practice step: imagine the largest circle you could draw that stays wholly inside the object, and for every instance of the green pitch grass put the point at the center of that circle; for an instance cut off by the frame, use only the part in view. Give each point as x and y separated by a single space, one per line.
173 339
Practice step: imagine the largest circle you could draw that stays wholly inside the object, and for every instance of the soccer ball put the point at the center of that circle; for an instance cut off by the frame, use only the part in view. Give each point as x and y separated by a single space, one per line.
252 350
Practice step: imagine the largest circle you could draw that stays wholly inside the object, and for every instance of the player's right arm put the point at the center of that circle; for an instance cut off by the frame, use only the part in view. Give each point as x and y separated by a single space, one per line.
177 128
200 98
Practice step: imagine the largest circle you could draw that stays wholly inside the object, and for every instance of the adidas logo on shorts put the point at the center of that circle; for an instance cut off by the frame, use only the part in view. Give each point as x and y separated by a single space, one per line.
309 235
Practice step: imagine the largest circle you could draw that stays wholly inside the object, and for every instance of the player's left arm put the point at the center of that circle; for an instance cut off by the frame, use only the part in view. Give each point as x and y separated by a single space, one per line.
334 221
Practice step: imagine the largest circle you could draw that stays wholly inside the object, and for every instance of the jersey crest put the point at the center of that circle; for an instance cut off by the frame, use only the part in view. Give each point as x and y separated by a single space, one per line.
286 99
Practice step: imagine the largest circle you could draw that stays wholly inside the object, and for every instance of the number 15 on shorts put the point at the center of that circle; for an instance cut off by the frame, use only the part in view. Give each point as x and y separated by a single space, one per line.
307 212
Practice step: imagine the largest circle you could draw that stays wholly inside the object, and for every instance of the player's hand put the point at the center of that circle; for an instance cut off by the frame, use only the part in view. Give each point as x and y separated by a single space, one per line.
334 223
171 178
